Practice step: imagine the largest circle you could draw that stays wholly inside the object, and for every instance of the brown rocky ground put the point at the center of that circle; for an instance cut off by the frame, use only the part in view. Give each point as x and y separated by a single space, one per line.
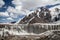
42 37
21 38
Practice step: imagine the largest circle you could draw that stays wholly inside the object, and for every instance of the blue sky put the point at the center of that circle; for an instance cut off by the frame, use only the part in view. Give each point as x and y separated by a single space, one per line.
10 10
7 4
4 8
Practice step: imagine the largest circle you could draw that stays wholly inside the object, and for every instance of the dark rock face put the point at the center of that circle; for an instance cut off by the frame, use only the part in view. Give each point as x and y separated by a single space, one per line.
37 16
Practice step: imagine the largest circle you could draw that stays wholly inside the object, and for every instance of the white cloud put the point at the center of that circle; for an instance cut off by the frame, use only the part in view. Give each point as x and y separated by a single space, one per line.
4 14
28 4
13 15
1 3
9 18
11 10
14 12
18 8
17 2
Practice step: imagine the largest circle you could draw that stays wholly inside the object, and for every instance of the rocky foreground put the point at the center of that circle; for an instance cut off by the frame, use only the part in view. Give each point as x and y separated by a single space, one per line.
52 37
48 35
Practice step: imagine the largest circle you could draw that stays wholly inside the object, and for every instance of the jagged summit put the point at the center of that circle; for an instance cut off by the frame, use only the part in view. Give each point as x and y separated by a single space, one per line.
41 15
